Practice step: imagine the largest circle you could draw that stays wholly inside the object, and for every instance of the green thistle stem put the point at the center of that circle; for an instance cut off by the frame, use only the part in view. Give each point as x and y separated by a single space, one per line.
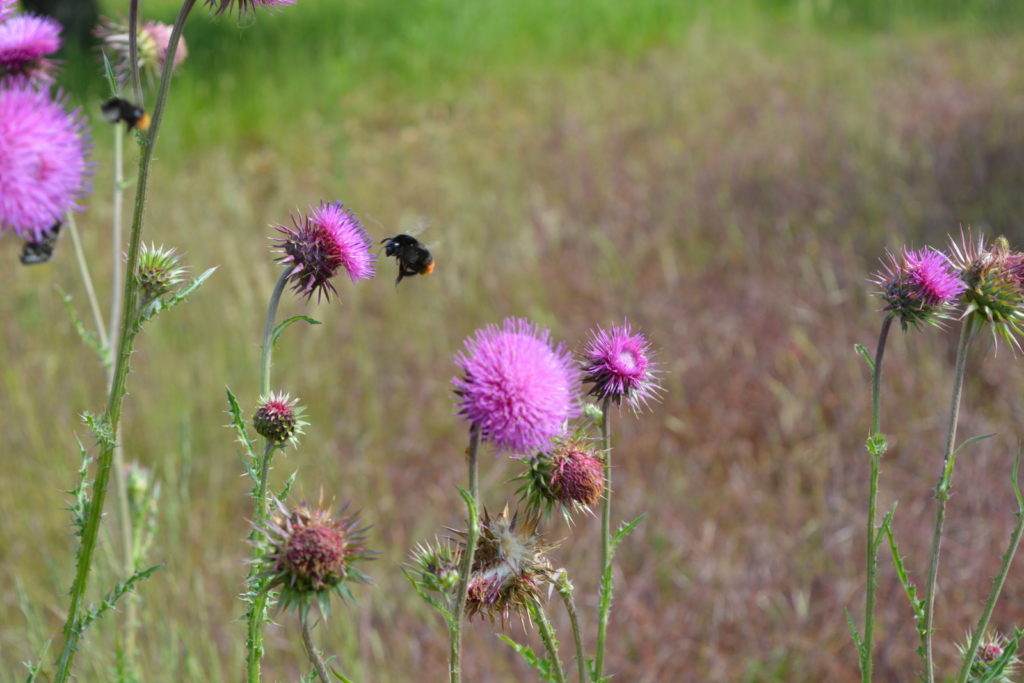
307 640
547 635
942 495
72 627
133 48
472 533
606 535
268 330
867 653
997 583
90 291
564 588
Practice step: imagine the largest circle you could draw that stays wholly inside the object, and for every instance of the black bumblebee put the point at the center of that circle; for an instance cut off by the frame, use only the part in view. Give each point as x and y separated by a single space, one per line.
117 109
413 258
41 249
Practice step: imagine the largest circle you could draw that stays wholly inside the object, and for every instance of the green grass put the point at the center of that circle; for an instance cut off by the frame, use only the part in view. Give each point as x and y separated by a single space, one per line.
725 174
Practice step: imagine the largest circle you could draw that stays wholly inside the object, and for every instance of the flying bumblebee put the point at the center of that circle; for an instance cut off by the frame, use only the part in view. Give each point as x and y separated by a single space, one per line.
117 109
41 250
413 258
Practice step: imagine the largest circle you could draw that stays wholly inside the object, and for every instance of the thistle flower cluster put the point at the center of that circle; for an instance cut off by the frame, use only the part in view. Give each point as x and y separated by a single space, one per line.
313 555
279 418
570 478
152 41
989 661
321 244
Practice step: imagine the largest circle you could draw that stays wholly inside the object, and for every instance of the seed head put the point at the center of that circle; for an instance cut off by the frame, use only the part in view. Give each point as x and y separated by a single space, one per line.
618 364
279 418
312 555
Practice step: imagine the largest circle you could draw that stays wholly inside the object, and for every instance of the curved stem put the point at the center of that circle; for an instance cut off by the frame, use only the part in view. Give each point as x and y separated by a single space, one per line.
472 532
867 656
72 627
307 640
547 635
606 516
268 331
90 291
565 590
942 495
133 49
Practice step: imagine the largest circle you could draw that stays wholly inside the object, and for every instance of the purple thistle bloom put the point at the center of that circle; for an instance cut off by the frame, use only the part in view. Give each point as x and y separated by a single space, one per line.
618 363
516 388
918 286
7 8
247 6
24 41
42 159
328 239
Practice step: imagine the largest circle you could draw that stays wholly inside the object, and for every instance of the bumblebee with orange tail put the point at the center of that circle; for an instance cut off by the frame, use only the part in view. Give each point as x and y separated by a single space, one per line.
413 258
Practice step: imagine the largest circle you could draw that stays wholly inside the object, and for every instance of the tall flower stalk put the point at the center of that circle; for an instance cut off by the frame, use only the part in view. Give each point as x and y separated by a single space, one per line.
127 332
458 608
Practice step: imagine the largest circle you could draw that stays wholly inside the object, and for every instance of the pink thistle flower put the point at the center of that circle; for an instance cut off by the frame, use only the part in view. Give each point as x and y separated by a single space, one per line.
153 40
618 364
247 6
516 388
7 8
43 171
329 238
24 42
918 286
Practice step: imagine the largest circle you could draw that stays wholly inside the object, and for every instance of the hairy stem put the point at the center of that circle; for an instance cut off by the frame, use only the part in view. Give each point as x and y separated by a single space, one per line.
472 532
547 635
606 535
314 657
942 495
72 627
867 653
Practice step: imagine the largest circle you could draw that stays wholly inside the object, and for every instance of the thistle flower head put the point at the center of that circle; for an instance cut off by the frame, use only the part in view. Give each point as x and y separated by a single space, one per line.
918 286
990 664
994 290
43 171
570 477
159 271
279 418
245 7
312 555
509 566
7 8
618 364
153 40
515 387
328 239
435 568
25 41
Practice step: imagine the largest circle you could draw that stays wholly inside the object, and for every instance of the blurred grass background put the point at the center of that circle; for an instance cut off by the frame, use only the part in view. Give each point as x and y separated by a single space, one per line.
724 174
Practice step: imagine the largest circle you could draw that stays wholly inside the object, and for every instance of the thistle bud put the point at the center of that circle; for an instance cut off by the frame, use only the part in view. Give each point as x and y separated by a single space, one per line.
435 568
571 477
279 418
158 271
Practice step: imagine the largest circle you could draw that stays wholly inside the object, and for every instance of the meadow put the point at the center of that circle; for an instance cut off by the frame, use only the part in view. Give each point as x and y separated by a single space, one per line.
725 175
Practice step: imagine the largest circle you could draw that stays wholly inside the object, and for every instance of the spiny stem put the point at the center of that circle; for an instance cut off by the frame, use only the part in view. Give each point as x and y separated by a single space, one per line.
472 532
867 654
307 640
942 495
547 635
90 291
564 588
72 627
606 535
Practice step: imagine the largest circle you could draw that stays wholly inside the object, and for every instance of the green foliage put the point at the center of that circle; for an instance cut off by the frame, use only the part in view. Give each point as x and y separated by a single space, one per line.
284 324
90 339
543 665
108 601
161 304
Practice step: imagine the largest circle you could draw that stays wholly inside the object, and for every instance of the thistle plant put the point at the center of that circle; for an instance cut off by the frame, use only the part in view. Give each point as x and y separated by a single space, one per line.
618 365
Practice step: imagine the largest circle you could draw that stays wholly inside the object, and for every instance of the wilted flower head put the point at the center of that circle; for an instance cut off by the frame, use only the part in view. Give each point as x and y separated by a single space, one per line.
152 42
570 477
994 292
989 661
516 388
279 418
508 566
328 239
25 41
435 568
42 159
247 6
312 555
618 364
158 271
918 286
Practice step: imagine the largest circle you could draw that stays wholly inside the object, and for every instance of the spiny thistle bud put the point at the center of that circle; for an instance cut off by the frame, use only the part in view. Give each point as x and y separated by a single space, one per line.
435 568
508 566
918 286
570 477
989 661
312 555
158 271
279 418
994 291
